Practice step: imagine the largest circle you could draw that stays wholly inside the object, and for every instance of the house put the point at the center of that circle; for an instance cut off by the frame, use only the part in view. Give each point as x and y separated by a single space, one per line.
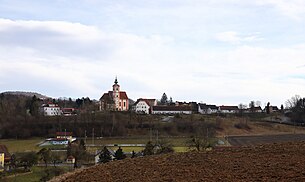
207 109
5 158
70 159
144 106
254 110
57 141
114 100
193 105
64 135
62 138
69 111
172 109
272 109
50 109
228 109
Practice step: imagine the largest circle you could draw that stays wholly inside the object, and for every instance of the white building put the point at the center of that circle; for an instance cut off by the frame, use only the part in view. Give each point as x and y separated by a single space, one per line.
144 106
207 109
51 110
228 109
172 110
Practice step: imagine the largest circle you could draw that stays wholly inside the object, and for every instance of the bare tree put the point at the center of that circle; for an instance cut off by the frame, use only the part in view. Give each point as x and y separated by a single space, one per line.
290 103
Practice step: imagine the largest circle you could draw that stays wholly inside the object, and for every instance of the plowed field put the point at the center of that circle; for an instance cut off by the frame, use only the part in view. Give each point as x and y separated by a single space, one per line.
272 162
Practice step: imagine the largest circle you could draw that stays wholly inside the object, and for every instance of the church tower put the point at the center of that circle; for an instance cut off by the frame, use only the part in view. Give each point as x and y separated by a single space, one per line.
116 93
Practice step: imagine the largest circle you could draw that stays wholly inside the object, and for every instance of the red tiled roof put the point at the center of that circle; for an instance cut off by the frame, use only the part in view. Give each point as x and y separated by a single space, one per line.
70 157
172 108
123 95
64 133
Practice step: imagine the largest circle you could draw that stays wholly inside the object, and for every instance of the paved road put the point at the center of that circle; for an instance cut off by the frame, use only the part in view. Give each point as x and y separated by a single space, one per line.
263 139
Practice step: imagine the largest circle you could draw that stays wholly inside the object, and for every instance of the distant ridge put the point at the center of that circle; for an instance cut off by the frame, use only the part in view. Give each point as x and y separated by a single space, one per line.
27 94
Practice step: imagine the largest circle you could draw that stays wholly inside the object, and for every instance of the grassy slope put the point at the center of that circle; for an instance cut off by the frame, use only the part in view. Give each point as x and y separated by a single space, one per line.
21 145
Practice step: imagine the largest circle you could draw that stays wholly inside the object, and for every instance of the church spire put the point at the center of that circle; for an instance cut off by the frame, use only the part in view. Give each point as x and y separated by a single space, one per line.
116 80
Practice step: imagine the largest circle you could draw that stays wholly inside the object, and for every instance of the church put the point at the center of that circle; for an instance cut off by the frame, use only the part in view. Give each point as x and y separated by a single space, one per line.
114 100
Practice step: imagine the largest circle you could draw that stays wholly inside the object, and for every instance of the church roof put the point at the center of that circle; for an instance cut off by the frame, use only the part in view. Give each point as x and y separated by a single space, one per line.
107 97
123 95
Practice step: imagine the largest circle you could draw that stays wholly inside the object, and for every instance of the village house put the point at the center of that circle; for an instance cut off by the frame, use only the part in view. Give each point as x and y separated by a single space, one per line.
65 135
51 109
5 158
254 110
272 109
114 100
144 106
69 111
207 109
62 138
228 109
172 109
193 105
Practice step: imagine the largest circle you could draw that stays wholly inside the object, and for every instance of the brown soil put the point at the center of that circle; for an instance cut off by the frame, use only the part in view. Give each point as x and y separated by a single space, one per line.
273 162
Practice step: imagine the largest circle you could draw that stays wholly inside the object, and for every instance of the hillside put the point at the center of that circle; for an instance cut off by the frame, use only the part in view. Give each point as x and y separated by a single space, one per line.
27 94
274 162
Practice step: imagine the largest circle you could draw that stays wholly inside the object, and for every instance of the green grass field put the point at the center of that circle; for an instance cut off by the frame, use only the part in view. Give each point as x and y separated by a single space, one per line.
31 144
36 174
21 145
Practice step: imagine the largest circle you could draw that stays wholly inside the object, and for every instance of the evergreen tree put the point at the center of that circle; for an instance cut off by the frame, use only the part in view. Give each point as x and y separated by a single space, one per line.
104 156
34 106
164 100
119 154
149 149
133 155
268 108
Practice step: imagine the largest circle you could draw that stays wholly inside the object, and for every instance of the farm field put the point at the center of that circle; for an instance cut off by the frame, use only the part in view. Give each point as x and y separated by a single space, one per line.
269 162
20 145
263 139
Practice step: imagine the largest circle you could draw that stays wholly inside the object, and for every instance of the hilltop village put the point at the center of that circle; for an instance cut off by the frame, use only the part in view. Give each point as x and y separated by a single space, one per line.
117 100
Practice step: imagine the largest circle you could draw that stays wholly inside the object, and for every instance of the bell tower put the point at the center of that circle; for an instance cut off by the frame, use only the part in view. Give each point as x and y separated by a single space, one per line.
116 93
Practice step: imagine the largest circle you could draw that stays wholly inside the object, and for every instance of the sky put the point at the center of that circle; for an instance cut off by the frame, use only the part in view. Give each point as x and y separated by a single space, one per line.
223 52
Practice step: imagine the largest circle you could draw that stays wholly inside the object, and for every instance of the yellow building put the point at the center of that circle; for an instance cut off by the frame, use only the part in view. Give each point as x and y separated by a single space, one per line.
1 162
5 157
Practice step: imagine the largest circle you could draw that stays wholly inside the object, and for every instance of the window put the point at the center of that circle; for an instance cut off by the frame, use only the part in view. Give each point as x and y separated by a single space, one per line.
124 104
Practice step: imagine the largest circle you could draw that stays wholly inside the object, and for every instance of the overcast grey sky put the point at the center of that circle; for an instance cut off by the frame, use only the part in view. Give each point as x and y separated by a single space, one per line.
218 52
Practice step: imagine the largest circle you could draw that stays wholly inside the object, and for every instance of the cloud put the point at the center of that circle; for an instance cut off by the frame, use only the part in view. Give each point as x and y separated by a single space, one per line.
61 58
294 9
235 38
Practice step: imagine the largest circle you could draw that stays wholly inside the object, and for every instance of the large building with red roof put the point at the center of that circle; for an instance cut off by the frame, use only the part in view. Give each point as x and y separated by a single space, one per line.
115 100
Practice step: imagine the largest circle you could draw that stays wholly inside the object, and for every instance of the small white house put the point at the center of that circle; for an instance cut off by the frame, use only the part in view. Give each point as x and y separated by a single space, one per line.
144 106
228 109
207 109
51 110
